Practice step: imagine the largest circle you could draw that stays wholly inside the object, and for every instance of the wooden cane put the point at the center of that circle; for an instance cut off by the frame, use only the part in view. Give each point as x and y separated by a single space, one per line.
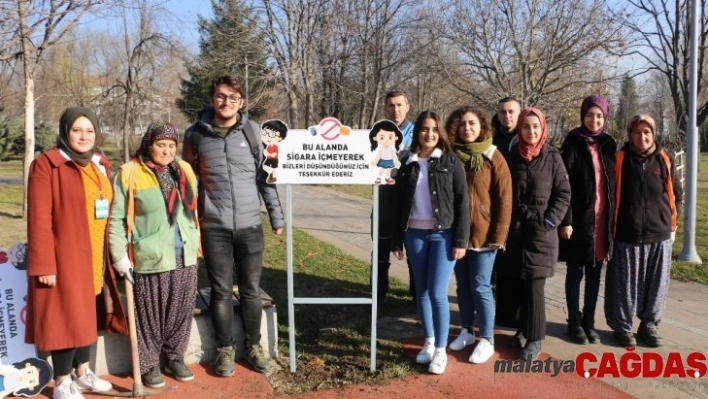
134 355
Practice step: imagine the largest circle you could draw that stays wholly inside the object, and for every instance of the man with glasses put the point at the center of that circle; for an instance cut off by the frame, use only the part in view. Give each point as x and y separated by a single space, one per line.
225 151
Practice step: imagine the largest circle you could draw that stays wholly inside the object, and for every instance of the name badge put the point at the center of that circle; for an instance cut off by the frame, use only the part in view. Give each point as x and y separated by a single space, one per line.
101 206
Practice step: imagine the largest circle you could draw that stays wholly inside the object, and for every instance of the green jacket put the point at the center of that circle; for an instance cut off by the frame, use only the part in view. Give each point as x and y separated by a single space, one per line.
153 237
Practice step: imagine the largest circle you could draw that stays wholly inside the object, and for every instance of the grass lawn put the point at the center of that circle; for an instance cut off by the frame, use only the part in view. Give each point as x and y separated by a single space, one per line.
688 271
335 338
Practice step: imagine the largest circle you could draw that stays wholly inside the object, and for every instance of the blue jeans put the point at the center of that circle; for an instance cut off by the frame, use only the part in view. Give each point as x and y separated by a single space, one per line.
474 290
241 252
430 253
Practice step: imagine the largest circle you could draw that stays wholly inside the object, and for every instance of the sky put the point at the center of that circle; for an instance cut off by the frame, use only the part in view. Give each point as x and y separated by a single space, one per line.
181 19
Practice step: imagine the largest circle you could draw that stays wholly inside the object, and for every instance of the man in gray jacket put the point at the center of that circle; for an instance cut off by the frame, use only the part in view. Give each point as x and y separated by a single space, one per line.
225 151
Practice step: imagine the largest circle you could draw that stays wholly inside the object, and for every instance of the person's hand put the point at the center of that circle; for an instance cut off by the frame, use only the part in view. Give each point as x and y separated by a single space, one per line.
673 237
566 232
49 280
278 231
458 253
398 254
495 246
123 266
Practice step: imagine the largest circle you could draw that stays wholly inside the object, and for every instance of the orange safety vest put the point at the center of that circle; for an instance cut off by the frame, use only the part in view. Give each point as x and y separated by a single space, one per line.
619 158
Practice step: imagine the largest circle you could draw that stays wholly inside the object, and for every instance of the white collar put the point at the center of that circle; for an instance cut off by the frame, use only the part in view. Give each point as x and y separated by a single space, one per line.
437 153
489 152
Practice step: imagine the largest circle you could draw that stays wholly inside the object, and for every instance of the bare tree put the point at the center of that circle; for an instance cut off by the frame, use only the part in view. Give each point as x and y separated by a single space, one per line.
291 31
142 53
663 30
41 24
531 49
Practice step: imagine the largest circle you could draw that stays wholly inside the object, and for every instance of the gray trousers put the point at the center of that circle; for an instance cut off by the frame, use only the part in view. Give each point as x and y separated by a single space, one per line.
637 284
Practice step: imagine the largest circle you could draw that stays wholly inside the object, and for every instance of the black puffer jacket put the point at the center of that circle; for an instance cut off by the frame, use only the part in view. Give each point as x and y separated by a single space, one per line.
448 194
541 192
580 249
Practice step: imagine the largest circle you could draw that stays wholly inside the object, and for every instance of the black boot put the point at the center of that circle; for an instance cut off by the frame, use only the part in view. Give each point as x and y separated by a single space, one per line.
589 328
530 351
575 330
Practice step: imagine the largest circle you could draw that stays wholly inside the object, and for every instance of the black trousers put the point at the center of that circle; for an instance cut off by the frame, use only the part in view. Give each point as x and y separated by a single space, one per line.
64 360
521 304
241 252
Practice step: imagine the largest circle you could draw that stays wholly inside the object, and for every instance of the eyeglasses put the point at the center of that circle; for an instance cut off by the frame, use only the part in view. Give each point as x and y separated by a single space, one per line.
223 97
269 133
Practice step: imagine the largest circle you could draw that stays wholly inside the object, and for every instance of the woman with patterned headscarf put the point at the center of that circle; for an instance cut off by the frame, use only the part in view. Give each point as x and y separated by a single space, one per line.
153 229
541 195
69 195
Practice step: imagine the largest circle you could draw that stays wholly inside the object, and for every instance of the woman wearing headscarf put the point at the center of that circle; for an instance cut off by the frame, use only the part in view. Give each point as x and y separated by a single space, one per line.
589 156
69 195
155 198
648 195
541 195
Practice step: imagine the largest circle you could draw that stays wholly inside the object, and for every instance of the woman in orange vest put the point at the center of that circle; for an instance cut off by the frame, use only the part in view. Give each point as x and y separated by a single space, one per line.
647 195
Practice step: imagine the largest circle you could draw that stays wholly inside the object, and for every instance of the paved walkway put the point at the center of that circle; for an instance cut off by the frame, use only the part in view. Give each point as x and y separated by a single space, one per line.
343 220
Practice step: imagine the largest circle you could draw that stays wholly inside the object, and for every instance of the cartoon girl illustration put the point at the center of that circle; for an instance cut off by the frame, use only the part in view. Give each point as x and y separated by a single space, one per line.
26 378
18 255
385 138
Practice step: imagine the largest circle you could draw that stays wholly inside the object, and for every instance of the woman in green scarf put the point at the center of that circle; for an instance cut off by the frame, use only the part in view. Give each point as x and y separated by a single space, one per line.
489 185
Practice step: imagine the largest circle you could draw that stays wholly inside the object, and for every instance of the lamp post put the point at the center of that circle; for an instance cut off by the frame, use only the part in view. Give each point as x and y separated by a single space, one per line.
689 254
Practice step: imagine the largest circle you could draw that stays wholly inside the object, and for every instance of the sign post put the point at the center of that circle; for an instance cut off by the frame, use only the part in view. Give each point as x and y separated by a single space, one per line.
331 153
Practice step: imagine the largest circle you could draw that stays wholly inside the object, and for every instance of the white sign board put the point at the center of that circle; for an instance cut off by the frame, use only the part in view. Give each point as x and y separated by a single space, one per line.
13 305
330 153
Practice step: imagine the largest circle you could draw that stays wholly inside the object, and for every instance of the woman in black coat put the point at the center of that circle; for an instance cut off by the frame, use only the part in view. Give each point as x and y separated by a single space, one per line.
589 156
541 197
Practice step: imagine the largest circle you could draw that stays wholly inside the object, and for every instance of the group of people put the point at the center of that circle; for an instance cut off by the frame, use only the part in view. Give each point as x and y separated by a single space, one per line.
148 223
492 202
499 206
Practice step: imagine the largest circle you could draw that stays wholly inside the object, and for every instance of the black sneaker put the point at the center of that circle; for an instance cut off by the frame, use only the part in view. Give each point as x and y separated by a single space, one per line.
224 363
625 339
258 360
530 351
179 370
650 336
516 340
153 378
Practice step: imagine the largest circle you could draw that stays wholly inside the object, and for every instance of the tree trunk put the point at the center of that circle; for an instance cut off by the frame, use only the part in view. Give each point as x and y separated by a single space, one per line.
126 134
28 63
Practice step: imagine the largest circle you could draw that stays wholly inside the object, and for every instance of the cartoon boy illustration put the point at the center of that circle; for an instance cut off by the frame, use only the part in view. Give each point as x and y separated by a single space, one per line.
385 138
25 378
272 132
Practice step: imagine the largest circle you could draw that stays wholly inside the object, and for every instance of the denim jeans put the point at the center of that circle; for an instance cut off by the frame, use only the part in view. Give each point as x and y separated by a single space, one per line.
474 290
573 278
226 251
430 253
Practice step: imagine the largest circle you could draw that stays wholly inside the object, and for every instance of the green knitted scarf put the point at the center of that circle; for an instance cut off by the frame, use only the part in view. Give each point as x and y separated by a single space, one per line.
471 153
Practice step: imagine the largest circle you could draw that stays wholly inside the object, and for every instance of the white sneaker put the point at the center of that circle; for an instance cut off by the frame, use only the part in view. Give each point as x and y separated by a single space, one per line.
91 382
462 341
482 352
67 390
426 354
439 362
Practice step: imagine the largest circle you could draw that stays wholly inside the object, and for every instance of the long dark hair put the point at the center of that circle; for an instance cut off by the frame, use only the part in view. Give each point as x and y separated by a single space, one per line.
443 142
44 371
